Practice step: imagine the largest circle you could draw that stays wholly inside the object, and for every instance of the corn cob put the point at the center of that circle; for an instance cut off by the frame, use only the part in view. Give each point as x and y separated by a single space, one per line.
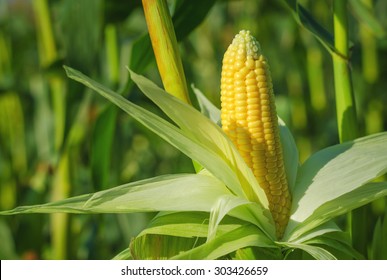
250 120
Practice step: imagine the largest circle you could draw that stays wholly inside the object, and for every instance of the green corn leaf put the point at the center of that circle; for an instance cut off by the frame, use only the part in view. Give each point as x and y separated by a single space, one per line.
341 205
379 241
123 255
102 146
244 236
199 128
258 253
290 154
316 252
339 245
334 172
206 107
305 19
186 192
328 227
161 247
221 208
189 14
188 224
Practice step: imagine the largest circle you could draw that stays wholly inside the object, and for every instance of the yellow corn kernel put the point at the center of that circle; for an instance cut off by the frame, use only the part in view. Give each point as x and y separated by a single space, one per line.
249 118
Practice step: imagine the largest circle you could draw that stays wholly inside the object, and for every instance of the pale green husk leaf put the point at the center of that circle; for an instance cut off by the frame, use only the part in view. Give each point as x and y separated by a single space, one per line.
186 192
334 172
341 205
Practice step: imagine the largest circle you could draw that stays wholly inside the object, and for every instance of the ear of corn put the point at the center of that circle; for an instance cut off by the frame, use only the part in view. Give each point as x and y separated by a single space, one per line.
249 118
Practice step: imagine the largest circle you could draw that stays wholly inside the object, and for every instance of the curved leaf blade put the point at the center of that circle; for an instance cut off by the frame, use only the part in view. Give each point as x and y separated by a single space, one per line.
188 224
336 171
316 252
339 206
244 236
187 192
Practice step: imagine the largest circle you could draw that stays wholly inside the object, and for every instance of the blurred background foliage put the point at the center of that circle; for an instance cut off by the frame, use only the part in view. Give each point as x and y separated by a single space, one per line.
56 141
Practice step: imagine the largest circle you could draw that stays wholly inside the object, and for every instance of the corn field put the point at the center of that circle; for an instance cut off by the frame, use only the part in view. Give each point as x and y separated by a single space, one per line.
183 129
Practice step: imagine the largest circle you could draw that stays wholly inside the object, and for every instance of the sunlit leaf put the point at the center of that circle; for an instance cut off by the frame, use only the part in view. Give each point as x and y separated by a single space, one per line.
188 224
334 172
316 252
341 205
221 208
186 192
123 255
222 245
339 245
258 253
206 107
161 247
290 154
317 231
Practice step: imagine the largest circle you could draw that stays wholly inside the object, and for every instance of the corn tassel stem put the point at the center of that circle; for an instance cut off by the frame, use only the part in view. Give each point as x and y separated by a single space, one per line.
165 47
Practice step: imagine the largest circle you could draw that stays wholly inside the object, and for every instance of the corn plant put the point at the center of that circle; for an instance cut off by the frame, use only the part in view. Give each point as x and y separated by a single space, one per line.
213 204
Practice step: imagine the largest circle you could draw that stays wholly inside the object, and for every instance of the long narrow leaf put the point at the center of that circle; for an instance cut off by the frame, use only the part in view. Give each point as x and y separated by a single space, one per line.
337 245
221 208
241 237
305 19
341 205
290 154
156 247
336 171
188 224
320 230
187 192
206 107
316 252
